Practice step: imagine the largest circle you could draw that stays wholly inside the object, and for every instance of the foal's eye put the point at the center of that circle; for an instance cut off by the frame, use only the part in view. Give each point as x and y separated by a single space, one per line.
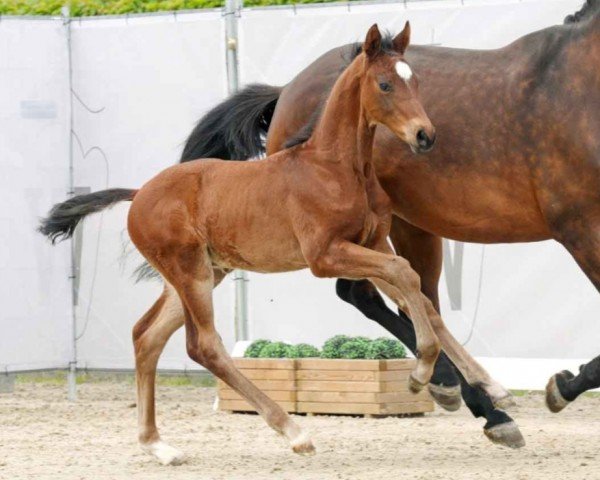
385 87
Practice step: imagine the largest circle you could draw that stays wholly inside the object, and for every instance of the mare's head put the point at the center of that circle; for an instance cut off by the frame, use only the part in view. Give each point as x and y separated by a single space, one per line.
390 90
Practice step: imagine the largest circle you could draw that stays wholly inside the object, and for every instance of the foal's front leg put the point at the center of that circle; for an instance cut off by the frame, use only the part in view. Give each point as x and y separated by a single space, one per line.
398 281
473 372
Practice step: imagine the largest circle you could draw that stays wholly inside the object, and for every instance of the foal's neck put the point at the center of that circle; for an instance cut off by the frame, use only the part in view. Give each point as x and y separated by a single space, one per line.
343 134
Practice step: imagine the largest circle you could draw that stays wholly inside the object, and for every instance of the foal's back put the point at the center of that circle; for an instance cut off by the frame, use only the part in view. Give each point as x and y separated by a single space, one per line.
231 208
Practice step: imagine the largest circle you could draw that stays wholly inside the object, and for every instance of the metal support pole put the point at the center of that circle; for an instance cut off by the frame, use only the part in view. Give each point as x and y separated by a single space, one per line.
240 278
72 375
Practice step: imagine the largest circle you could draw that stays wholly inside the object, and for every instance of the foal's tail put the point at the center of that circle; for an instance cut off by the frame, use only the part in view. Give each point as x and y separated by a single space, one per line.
235 128
64 217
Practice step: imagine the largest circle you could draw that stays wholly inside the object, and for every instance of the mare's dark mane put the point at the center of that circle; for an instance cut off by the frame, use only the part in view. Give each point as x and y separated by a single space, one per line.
302 135
587 11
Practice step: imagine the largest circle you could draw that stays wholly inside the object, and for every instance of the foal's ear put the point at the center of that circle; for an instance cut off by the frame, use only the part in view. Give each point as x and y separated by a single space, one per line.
402 40
372 44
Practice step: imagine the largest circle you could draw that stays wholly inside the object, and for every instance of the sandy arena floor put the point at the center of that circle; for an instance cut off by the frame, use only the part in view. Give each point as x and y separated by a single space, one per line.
42 436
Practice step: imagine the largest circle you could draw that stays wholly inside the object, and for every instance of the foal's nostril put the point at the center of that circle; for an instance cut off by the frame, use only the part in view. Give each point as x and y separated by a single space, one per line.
424 141
422 138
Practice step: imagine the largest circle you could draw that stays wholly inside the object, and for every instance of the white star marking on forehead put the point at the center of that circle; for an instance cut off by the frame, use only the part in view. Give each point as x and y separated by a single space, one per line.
404 71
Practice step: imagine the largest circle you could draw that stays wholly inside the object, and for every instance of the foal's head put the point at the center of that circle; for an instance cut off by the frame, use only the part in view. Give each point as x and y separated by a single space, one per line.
389 93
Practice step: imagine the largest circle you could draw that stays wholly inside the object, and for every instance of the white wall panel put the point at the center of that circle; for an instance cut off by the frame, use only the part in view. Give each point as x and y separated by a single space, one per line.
149 79
34 286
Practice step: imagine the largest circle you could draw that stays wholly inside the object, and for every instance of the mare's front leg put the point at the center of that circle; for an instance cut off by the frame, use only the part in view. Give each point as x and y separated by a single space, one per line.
582 239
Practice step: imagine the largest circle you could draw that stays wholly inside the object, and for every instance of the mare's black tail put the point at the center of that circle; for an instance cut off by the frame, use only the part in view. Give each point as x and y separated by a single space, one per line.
64 217
234 129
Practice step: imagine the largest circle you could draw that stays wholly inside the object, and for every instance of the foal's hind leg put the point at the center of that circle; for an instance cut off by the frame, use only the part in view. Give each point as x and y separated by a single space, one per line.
190 273
150 336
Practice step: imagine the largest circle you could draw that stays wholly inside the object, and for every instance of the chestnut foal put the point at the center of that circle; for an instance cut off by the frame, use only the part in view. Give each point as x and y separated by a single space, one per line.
317 205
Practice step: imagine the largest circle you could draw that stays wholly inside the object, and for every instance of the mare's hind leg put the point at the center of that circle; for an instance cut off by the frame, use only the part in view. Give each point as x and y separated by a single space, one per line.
583 242
150 335
189 271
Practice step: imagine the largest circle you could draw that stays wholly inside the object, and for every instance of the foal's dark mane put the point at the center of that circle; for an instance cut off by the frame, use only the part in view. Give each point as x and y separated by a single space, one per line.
587 11
348 55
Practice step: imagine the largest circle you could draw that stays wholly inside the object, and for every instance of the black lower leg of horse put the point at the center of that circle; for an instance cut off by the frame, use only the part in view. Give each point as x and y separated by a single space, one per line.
367 299
582 240
571 386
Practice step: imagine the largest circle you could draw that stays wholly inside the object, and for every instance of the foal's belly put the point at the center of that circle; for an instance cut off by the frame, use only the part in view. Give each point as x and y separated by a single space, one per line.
268 248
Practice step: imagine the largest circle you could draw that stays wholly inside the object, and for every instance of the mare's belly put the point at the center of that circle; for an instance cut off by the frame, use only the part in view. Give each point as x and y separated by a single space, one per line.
462 204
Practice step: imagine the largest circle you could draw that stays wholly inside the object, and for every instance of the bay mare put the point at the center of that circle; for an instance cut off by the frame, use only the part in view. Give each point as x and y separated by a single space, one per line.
517 160
317 205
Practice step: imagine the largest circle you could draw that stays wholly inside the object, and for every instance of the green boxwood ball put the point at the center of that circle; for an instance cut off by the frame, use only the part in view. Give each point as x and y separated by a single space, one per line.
255 347
383 348
275 350
303 350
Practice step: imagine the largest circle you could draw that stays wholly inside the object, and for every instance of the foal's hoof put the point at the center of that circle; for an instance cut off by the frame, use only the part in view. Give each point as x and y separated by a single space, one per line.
414 385
446 397
303 445
506 434
554 399
505 403
164 453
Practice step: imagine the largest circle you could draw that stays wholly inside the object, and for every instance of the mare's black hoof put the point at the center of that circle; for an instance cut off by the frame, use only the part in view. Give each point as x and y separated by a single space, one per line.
554 399
506 434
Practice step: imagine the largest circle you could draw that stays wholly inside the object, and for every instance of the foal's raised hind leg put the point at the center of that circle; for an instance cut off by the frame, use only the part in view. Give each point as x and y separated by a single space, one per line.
191 275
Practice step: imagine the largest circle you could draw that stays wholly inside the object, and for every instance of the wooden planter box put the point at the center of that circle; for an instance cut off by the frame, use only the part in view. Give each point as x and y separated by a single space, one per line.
318 385
276 377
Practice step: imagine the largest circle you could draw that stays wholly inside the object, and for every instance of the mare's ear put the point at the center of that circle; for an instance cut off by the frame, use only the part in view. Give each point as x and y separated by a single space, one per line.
402 40
372 44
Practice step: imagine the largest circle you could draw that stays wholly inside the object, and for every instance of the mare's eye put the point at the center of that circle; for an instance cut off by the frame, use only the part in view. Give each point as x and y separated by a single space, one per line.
385 87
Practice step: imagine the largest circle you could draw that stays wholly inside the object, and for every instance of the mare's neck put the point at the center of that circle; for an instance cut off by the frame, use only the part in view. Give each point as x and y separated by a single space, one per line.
342 134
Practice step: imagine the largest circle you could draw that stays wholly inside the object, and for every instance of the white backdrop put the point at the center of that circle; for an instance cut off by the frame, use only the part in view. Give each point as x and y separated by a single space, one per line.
34 286
143 82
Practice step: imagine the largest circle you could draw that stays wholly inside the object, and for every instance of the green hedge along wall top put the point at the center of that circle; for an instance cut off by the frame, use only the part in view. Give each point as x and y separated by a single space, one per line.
80 8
